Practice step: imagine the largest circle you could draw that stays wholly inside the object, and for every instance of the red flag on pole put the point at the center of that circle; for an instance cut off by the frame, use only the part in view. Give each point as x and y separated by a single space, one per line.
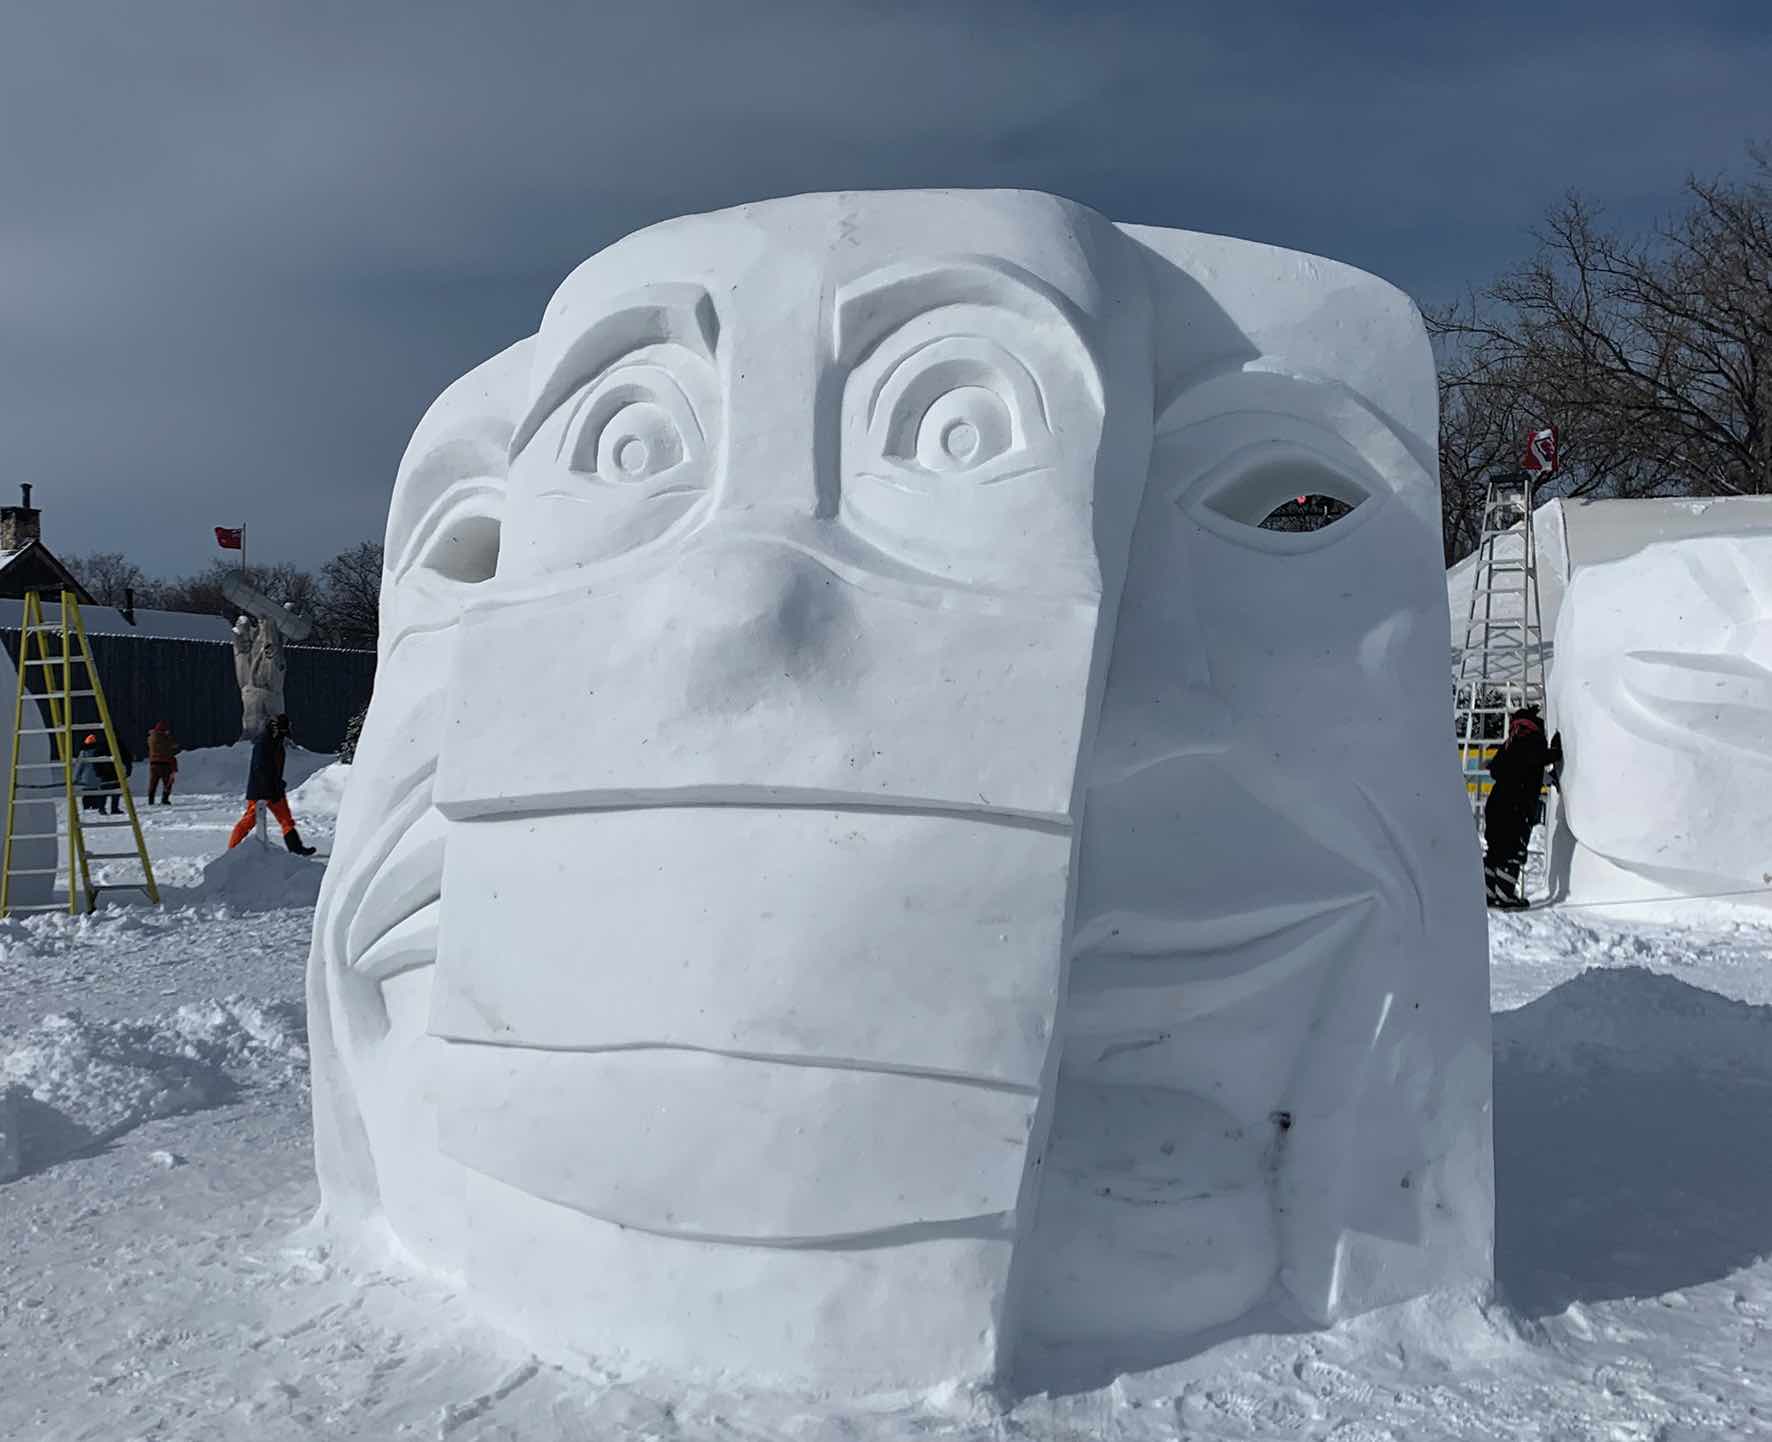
229 538
1541 452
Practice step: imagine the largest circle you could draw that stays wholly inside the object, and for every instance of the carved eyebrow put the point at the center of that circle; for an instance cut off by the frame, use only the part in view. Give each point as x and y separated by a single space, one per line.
683 314
871 308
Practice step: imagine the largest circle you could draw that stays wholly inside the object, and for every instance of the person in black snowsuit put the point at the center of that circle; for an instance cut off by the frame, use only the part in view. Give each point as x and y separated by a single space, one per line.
128 758
264 785
1511 810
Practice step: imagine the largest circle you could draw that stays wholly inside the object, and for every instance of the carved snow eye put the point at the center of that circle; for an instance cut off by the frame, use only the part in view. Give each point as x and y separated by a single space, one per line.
958 407
1273 487
463 545
1300 489
635 426
971 415
640 441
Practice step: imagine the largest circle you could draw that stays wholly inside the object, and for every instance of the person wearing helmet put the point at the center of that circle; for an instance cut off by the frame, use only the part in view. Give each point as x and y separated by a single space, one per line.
1511 810
264 783
92 773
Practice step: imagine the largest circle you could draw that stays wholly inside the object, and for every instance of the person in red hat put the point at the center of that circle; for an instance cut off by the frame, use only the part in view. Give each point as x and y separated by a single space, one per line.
1511 810
162 761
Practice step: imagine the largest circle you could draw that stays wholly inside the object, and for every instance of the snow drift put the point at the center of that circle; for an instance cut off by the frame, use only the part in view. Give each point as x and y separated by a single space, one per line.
70 1083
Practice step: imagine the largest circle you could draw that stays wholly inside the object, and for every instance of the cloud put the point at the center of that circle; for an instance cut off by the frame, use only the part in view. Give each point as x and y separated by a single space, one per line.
241 247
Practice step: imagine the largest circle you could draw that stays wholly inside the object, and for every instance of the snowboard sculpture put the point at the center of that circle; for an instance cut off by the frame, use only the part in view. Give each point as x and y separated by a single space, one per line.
258 654
865 854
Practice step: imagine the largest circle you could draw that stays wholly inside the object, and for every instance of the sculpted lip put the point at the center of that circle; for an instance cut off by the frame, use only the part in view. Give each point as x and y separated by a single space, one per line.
394 926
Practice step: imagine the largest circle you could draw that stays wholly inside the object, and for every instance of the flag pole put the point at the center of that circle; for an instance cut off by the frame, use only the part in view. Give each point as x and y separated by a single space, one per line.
242 550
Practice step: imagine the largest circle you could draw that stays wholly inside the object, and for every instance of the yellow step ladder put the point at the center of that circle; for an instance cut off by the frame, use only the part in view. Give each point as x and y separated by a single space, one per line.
67 681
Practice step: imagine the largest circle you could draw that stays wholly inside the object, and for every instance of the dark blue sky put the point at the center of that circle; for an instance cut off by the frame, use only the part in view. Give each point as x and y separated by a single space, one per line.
241 247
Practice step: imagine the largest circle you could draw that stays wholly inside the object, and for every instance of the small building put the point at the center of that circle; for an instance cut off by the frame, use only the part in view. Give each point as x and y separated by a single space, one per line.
26 564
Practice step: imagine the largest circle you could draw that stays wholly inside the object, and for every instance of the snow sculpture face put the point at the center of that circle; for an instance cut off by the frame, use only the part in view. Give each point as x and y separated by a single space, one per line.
1662 689
851 790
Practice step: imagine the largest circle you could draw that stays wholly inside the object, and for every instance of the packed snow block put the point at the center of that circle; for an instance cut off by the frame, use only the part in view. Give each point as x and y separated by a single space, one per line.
261 876
866 856
1663 694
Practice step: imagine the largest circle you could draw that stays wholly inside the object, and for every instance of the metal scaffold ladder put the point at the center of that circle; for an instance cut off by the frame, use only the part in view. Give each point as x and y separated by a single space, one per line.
1500 667
55 666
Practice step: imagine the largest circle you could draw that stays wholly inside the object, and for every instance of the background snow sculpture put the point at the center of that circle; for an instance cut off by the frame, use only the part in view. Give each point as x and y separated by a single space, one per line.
1663 693
259 666
785 887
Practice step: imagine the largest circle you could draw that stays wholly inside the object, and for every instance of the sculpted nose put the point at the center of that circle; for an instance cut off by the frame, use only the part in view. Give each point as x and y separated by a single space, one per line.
755 617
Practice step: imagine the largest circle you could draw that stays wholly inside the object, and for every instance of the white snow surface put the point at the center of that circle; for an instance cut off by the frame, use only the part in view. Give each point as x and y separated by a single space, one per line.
162 1282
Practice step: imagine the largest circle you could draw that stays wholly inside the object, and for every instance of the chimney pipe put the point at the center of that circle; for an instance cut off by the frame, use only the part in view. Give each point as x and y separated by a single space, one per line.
26 488
129 604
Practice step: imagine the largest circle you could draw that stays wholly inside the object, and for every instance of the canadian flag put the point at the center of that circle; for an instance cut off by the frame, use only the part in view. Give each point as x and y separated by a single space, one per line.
229 538
1541 452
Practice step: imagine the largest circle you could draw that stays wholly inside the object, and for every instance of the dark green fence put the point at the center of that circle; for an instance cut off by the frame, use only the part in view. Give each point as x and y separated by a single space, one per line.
190 685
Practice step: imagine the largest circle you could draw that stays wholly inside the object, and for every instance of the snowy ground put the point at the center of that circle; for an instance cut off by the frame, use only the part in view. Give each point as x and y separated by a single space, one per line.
156 1282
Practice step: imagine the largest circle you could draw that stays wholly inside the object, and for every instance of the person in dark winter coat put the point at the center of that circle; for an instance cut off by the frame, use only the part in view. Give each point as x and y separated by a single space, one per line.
113 779
264 783
1511 810
92 773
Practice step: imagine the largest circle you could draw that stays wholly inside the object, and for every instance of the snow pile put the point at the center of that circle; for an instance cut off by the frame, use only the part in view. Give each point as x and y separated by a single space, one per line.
261 876
322 793
72 1083
1630 1134
221 770
1633 1019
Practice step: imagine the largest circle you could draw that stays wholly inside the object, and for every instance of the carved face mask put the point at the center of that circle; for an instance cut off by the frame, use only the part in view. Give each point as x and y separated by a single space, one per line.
746 767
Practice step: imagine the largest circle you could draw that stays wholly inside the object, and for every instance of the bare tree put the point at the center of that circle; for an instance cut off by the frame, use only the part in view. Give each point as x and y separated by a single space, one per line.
1652 355
108 576
350 596
203 592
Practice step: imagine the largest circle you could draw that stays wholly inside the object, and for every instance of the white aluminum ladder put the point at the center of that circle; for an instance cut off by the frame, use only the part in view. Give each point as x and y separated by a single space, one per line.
1500 668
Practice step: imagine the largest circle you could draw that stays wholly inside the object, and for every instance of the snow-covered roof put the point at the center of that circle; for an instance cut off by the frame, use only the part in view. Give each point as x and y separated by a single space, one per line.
105 621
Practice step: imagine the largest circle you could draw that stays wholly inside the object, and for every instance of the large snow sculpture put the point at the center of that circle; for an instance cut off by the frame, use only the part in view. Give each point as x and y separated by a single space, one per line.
865 852
1662 690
